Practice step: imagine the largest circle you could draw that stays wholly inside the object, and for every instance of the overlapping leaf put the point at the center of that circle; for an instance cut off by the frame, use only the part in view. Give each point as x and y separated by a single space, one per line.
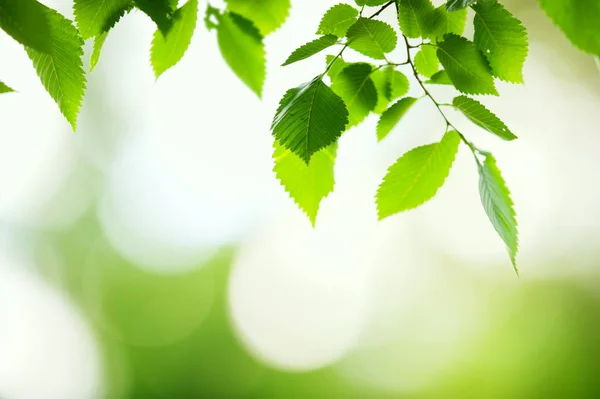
267 15
60 70
467 68
310 118
414 17
100 39
97 50
337 20
439 78
417 176
95 17
335 65
242 47
454 5
355 87
392 116
482 117
26 22
308 184
397 83
372 38
390 84
167 50
309 49
426 61
442 22
160 11
502 39
498 205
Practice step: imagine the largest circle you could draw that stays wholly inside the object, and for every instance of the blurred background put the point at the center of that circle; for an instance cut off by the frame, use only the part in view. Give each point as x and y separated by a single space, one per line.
153 254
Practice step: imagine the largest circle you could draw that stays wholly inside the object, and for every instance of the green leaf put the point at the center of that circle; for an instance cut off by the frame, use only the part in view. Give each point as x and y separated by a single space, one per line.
426 61
336 65
417 176
311 48
439 78
392 116
454 5
61 70
169 50
467 68
578 19
243 49
160 11
482 117
502 39
4 88
442 22
397 83
382 85
355 87
414 17
101 38
98 44
26 22
390 84
95 17
308 184
372 38
337 20
498 205
310 117
267 15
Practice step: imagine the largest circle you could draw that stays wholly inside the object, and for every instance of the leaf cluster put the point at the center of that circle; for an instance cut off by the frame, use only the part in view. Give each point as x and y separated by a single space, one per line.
312 117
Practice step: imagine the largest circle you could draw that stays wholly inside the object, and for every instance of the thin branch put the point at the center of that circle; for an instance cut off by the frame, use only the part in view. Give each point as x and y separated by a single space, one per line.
438 105
382 9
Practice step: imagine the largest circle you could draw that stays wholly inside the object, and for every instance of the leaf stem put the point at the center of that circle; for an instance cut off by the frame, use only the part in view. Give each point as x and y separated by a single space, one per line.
382 9
386 5
438 105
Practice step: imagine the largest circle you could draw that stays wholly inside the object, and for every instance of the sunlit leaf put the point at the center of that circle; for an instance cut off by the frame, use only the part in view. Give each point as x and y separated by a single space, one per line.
578 19
372 38
94 17
243 49
310 117
167 50
267 15
337 20
498 205
309 49
308 184
467 68
417 176
4 88
61 69
26 22
482 117
355 87
392 116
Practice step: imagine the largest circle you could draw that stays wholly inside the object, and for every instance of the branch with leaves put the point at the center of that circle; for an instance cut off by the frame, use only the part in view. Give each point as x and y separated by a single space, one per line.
312 117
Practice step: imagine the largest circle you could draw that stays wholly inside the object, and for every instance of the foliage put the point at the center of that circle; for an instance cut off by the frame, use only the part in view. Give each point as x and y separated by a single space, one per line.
312 117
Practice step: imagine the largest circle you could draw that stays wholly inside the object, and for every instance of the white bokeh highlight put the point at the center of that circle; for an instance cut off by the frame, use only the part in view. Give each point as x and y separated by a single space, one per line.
46 348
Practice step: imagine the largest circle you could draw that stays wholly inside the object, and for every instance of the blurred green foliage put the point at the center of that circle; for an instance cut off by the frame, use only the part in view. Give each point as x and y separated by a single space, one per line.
170 336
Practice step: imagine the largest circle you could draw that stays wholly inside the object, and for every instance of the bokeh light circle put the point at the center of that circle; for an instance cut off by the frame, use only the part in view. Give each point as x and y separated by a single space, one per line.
46 349
297 296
